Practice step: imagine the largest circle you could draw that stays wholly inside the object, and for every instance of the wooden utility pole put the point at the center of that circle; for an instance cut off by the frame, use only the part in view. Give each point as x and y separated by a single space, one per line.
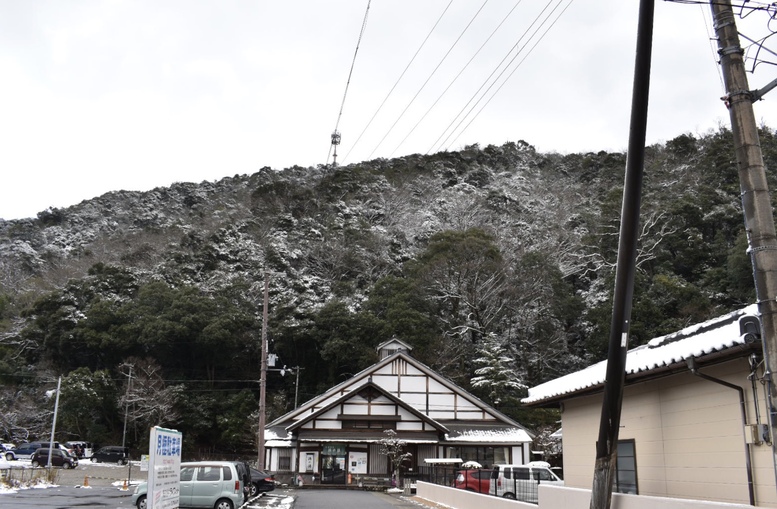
609 424
263 378
756 202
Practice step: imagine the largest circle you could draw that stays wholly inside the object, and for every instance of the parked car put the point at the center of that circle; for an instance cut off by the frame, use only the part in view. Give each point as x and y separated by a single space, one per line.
520 482
25 451
260 482
59 458
111 454
473 480
215 484
80 448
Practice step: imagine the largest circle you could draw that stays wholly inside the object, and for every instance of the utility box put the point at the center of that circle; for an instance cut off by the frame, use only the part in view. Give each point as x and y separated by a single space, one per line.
757 434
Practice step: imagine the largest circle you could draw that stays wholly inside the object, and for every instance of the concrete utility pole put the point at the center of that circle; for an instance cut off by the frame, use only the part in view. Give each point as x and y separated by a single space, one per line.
609 424
263 377
756 202
54 422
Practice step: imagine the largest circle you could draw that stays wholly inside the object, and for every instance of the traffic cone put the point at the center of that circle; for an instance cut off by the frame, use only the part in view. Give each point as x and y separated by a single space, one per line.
86 481
124 487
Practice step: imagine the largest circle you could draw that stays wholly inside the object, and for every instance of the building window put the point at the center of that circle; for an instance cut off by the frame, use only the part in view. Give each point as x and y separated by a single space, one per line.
486 456
368 424
284 459
626 468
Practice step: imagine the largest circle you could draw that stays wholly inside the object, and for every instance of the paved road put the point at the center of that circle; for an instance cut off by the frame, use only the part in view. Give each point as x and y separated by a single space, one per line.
349 499
104 492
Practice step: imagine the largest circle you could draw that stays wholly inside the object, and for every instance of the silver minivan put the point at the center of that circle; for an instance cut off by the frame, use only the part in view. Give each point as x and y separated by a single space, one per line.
215 484
521 482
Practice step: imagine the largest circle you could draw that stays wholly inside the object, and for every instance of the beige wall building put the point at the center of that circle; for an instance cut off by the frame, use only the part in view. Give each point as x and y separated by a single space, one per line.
694 418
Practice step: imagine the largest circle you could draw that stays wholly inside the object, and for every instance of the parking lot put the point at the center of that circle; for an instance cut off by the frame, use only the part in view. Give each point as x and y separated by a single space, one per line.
94 485
86 474
101 485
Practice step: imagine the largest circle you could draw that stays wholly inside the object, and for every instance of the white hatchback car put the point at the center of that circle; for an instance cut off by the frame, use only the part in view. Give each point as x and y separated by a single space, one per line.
215 484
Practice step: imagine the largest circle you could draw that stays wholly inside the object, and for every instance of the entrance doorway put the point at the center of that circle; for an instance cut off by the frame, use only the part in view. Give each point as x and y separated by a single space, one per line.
333 466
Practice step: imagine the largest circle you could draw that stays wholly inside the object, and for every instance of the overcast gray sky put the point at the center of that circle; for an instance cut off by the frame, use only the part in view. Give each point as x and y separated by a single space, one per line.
97 96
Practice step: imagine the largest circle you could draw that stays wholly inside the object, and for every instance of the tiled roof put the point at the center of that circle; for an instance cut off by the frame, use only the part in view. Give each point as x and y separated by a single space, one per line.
716 335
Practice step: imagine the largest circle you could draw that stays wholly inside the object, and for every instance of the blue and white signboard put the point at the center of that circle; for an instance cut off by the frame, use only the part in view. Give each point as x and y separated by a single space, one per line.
164 468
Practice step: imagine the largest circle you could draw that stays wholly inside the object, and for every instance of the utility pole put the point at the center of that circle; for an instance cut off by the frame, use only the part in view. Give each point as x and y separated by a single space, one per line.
609 424
756 202
263 377
126 407
54 421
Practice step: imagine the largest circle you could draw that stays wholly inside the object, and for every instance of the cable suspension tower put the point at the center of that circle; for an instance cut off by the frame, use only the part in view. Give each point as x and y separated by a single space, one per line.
336 133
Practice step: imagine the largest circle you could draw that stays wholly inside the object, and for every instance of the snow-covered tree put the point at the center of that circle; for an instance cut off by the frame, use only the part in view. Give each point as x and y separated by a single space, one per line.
497 375
394 449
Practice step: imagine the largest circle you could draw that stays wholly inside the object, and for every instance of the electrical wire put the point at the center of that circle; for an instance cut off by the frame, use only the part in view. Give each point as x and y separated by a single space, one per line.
711 38
429 78
516 67
486 81
398 80
350 73
456 77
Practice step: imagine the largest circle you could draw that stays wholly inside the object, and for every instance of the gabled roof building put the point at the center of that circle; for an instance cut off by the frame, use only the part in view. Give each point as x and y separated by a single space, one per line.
694 421
335 438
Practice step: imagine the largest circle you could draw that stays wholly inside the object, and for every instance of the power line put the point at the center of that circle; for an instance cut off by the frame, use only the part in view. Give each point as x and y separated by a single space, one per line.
429 78
457 76
347 83
498 66
398 80
516 67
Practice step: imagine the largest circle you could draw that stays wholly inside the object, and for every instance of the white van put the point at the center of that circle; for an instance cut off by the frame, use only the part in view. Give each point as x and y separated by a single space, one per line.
520 482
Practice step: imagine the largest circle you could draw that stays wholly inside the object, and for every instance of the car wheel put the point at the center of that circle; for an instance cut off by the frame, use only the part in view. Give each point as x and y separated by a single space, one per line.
122 461
253 490
66 465
94 460
35 463
511 496
223 503
9 457
141 503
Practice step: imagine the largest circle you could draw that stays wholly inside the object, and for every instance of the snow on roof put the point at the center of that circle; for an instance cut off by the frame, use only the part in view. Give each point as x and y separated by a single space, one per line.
498 435
278 443
707 337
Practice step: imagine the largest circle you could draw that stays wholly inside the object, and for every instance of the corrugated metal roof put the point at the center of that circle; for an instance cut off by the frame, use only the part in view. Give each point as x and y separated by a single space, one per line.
716 335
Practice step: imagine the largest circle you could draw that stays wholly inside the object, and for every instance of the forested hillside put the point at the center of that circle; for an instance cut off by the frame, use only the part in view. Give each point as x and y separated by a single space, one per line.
495 263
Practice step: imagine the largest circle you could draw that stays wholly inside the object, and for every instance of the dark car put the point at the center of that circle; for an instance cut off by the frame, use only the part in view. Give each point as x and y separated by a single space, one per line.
260 481
111 454
25 451
473 480
59 458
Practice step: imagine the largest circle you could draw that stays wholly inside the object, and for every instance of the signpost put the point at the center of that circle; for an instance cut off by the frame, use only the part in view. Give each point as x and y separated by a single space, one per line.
164 467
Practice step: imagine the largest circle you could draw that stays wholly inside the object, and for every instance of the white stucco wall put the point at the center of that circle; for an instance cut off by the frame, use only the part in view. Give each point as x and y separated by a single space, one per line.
552 497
